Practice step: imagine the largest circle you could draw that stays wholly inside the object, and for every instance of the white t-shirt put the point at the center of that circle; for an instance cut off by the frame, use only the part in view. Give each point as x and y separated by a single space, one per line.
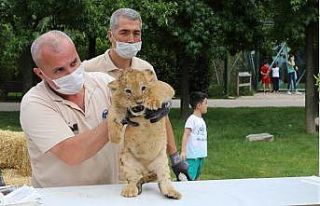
197 142
275 72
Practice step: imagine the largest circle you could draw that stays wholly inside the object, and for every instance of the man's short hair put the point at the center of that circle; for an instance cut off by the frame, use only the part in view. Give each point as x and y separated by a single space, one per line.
124 12
51 39
196 98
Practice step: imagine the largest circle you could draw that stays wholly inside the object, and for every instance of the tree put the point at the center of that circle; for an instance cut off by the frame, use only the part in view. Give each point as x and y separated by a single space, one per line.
188 34
187 38
202 30
301 31
23 21
180 38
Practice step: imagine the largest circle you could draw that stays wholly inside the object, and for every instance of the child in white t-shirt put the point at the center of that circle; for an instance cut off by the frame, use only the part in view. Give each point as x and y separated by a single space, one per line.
275 77
194 140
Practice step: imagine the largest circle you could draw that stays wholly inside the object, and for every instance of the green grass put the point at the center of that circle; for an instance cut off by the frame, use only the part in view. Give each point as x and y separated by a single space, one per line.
10 121
293 152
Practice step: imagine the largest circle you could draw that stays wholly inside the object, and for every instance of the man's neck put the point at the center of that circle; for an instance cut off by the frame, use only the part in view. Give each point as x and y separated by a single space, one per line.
78 98
118 61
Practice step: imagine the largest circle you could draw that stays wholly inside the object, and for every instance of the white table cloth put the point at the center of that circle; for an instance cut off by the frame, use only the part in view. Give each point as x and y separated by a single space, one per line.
255 191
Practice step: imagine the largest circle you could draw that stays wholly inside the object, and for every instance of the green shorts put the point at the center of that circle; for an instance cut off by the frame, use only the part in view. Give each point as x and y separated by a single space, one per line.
195 167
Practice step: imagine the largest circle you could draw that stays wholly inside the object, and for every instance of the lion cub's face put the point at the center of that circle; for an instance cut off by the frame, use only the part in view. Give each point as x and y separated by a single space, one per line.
131 89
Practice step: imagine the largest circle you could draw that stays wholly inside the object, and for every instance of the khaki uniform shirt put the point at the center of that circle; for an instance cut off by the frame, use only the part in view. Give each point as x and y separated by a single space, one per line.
48 119
103 63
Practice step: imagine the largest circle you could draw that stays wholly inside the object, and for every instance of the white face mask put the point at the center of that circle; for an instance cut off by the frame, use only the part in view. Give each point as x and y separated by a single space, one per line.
71 83
128 50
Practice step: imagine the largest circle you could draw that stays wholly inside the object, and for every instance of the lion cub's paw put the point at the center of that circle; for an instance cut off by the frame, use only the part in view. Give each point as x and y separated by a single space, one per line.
130 191
173 194
115 132
115 140
153 104
115 137
168 190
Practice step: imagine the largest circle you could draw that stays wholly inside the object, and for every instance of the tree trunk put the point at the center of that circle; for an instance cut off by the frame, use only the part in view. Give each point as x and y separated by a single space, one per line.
311 100
185 64
91 47
201 70
26 66
257 63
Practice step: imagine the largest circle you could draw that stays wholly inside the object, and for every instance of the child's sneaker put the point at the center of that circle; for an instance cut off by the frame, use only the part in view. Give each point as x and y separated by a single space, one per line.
288 92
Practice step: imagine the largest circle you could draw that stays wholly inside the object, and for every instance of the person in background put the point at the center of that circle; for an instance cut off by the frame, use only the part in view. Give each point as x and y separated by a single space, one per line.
265 77
275 77
292 76
194 140
124 35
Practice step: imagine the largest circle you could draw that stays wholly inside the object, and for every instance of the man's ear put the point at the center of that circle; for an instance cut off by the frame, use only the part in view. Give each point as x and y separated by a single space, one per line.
111 40
150 76
109 34
113 85
38 72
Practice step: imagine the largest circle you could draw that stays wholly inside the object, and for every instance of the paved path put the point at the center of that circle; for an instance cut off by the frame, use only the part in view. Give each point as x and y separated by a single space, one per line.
9 106
258 100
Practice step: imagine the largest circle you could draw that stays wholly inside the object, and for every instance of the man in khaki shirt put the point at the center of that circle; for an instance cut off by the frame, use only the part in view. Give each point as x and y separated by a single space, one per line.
64 116
125 37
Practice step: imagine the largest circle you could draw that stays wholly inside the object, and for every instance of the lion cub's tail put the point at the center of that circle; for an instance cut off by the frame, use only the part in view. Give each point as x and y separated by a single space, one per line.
151 177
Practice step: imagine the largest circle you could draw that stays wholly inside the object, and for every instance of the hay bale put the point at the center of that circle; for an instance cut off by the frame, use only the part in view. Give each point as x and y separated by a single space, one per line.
12 177
14 152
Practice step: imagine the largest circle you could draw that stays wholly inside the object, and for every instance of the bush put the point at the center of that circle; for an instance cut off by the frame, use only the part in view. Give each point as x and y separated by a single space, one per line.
215 90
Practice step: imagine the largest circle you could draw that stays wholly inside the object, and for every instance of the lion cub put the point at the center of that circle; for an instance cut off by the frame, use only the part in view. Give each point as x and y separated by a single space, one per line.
144 154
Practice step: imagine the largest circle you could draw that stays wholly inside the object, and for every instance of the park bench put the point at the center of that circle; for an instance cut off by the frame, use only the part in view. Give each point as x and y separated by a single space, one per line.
241 77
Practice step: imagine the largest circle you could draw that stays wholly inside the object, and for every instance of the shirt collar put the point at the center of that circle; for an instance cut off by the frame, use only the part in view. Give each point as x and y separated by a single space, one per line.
109 63
112 67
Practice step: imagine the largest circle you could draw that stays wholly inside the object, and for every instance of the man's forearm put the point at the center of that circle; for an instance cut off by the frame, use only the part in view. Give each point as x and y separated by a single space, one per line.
93 145
81 147
171 144
178 165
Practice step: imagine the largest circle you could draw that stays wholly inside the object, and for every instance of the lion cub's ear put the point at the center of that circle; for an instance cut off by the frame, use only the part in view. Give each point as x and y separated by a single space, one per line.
113 85
150 76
